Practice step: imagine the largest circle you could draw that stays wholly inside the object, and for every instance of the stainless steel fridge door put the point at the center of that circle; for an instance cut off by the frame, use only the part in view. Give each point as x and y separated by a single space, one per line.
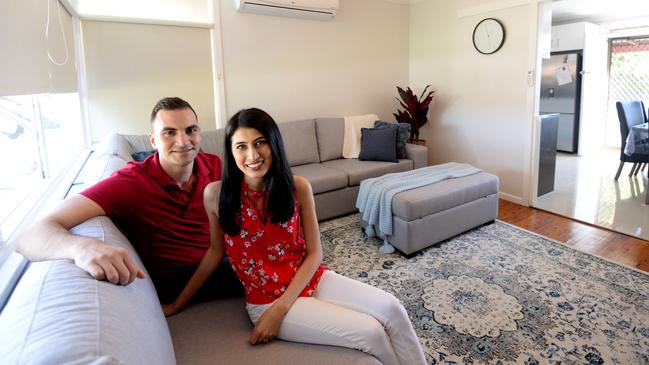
556 98
566 135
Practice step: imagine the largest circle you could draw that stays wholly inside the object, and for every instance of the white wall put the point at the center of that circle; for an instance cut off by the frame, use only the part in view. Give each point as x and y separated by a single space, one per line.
297 68
129 67
481 112
594 91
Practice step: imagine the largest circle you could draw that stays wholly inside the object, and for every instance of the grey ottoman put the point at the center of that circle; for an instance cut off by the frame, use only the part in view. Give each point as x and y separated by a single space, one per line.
424 216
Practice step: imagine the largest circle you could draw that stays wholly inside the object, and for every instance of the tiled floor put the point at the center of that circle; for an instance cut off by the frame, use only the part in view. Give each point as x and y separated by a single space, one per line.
584 189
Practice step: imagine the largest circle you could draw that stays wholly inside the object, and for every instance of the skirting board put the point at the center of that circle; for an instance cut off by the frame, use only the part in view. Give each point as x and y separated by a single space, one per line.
512 198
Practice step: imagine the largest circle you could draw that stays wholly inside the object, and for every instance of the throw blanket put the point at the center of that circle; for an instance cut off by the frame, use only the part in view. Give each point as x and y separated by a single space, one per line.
375 196
352 136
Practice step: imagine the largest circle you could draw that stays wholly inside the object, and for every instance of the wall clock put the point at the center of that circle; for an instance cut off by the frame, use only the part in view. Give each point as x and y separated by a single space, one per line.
488 36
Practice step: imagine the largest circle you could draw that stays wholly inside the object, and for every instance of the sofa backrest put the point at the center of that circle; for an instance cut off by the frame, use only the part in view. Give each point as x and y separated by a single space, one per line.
138 142
300 141
213 142
330 132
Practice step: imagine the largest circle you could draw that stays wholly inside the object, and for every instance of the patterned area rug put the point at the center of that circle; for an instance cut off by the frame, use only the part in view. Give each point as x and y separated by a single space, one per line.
501 295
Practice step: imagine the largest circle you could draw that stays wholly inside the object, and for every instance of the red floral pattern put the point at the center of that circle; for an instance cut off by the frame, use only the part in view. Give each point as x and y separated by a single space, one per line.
266 256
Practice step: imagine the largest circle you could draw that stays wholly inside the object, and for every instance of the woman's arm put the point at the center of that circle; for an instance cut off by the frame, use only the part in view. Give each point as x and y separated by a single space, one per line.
268 324
212 258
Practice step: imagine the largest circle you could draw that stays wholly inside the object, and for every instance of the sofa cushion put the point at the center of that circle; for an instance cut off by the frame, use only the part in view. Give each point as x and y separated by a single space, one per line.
330 132
299 142
360 170
59 314
213 142
378 145
137 142
322 178
116 145
426 200
403 133
218 331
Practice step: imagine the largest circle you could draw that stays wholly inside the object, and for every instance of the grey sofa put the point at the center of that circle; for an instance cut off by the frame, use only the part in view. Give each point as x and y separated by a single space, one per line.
58 314
313 149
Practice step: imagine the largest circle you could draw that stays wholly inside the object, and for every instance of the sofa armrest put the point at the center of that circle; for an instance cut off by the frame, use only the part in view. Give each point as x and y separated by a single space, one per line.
59 314
418 154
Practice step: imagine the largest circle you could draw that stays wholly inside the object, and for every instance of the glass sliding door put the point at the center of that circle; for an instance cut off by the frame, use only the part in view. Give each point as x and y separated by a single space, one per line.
628 79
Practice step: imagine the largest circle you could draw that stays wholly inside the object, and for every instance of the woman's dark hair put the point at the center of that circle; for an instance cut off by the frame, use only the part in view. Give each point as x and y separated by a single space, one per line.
278 181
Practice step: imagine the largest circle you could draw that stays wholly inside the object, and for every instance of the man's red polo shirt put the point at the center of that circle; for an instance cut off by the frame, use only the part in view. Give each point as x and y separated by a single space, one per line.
167 225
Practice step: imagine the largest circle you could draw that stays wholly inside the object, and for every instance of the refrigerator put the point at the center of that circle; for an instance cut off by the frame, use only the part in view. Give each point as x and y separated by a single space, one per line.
561 93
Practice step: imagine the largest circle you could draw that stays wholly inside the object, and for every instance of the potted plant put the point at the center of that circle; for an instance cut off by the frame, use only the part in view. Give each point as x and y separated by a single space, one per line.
415 110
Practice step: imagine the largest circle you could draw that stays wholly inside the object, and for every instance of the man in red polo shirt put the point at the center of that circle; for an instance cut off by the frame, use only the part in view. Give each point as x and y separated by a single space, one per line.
158 203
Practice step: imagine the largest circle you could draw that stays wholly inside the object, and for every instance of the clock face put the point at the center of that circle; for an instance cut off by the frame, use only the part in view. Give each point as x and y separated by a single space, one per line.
488 36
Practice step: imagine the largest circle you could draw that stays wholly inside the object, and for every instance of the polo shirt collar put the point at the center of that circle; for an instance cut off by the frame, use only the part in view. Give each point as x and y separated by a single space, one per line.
154 169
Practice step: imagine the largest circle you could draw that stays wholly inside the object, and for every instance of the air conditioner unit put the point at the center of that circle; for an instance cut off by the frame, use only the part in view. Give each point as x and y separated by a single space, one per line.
312 9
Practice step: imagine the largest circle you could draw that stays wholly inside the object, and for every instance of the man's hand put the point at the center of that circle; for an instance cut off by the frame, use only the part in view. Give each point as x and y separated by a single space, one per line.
106 262
268 324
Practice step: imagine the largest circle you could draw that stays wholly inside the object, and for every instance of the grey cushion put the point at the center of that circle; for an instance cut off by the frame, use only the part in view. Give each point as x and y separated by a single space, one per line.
116 145
322 178
300 142
403 133
378 145
137 142
416 203
59 314
330 132
213 142
361 170
217 333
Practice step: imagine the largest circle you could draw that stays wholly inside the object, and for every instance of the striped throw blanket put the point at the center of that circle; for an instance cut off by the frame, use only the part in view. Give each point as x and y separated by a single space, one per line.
375 196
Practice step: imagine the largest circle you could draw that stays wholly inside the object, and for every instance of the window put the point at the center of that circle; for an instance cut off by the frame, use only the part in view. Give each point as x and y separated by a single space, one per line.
628 79
39 135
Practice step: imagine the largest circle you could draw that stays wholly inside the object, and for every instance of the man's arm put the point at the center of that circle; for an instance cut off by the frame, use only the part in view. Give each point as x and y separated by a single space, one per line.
213 256
50 239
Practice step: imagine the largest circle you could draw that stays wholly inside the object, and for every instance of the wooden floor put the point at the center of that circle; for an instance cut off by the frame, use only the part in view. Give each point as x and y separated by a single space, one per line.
625 250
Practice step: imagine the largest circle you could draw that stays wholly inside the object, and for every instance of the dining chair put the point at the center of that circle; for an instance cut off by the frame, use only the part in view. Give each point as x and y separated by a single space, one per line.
630 113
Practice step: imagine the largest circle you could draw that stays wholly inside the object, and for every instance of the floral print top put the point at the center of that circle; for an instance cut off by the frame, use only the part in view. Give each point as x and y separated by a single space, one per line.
266 257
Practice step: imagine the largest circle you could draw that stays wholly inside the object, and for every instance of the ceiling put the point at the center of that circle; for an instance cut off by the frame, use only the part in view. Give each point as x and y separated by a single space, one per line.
600 11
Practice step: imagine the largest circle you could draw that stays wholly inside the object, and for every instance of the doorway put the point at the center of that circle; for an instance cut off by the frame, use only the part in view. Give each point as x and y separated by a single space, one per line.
585 188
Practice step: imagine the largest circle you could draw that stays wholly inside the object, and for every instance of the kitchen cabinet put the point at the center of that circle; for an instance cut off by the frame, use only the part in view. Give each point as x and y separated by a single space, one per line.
568 37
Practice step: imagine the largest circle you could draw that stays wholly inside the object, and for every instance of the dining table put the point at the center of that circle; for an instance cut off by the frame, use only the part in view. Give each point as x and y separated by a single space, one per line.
638 142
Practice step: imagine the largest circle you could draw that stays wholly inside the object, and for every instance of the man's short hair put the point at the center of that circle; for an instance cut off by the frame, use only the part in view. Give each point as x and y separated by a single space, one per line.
170 103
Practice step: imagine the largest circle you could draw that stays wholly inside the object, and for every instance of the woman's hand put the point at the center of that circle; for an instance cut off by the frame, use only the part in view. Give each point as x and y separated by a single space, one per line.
170 309
268 324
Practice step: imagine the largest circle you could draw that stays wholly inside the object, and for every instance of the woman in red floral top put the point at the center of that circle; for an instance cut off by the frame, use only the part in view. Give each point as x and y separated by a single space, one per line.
264 218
